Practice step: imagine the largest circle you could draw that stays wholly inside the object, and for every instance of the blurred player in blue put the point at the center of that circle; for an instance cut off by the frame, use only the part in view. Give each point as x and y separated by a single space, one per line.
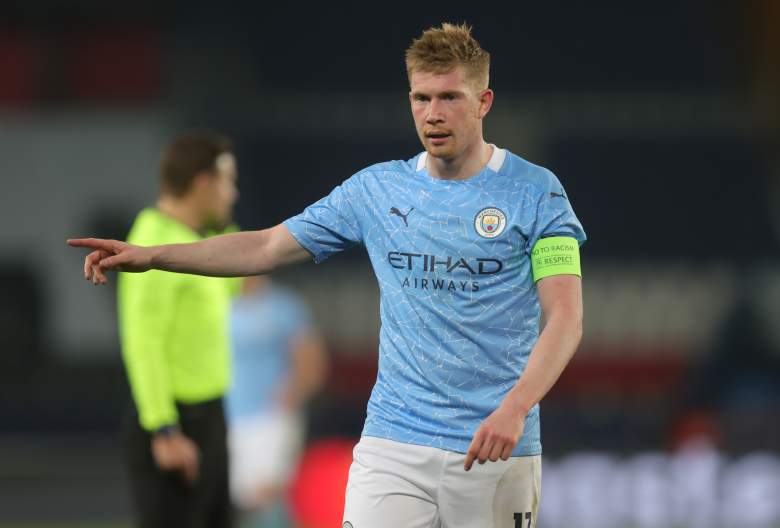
470 245
278 362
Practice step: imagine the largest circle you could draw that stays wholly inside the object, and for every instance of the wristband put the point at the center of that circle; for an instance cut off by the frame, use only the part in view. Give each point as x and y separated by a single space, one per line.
167 430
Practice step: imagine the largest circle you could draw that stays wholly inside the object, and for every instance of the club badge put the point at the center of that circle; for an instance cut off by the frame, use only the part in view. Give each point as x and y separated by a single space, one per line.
490 222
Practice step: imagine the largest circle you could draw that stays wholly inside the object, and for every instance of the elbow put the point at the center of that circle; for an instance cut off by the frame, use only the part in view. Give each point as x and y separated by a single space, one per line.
574 317
262 262
570 324
577 332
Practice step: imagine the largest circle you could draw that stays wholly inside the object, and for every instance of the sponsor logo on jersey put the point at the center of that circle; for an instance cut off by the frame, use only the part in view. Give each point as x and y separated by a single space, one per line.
490 222
440 267
397 212
448 264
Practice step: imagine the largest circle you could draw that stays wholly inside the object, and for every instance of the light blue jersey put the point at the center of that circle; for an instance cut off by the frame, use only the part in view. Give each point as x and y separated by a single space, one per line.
459 308
263 325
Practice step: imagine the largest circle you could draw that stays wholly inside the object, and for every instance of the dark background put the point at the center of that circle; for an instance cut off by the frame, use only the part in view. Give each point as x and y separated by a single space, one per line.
661 120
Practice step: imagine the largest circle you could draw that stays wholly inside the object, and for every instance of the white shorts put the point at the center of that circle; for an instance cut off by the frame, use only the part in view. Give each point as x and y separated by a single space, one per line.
393 485
264 452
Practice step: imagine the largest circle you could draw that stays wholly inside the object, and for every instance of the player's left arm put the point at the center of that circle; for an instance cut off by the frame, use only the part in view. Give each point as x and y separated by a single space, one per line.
560 297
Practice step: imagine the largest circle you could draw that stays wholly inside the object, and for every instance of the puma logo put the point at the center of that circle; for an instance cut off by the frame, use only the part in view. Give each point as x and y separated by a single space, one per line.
395 211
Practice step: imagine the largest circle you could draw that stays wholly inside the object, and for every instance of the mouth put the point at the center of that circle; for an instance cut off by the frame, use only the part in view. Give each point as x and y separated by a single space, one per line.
437 138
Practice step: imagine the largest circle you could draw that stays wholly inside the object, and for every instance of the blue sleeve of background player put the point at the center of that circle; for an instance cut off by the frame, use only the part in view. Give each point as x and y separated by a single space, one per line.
554 213
331 224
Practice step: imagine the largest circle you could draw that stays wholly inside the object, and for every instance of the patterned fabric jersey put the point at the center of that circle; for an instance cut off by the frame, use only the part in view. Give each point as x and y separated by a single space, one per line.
459 309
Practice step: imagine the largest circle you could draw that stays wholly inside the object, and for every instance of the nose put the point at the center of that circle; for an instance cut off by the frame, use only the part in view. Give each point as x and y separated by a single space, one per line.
435 114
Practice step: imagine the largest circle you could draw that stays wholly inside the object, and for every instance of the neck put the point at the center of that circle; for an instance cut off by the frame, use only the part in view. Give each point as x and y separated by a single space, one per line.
464 166
181 210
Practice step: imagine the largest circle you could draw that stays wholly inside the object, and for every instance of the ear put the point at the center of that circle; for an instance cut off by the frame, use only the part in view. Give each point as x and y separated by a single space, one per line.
485 102
202 180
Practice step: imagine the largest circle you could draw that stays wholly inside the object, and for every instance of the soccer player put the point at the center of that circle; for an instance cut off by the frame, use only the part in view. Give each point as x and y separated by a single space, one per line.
470 245
175 347
278 362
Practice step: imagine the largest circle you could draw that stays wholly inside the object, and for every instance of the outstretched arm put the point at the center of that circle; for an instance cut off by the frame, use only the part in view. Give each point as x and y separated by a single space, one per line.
232 255
561 299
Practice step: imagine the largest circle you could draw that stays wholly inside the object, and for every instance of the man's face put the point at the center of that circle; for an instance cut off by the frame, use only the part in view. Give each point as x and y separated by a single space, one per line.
447 112
221 192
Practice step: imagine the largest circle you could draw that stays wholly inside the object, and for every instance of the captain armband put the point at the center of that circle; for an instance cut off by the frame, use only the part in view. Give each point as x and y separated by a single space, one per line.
558 255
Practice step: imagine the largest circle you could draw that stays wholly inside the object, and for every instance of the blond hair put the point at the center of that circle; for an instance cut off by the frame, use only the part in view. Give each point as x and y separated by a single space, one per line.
441 50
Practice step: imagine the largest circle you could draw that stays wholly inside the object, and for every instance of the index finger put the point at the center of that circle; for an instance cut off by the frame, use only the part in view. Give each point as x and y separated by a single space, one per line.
92 243
473 451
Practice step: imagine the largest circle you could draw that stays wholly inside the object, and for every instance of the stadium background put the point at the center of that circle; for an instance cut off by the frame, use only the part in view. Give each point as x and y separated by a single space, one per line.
661 119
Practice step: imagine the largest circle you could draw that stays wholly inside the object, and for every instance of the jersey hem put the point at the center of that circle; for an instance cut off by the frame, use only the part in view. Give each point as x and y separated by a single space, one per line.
306 243
532 450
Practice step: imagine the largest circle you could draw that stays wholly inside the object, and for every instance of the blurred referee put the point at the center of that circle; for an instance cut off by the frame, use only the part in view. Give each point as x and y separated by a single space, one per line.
175 347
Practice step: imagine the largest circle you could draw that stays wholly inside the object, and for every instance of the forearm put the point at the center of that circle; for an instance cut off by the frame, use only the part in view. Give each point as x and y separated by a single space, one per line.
232 255
556 346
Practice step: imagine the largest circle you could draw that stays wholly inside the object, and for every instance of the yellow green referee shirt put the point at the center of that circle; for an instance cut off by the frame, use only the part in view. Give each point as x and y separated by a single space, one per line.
173 328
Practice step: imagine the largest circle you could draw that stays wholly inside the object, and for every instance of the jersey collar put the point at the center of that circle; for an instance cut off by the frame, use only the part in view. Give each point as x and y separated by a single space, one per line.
494 163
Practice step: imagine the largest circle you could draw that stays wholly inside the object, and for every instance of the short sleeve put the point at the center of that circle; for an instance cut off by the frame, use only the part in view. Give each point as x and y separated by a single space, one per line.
554 215
331 224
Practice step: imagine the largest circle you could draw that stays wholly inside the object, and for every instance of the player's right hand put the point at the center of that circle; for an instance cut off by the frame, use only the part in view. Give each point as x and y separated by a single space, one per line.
177 452
111 255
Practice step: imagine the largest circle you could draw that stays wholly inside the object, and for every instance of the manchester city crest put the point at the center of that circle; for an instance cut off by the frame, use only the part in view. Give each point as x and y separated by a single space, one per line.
490 222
